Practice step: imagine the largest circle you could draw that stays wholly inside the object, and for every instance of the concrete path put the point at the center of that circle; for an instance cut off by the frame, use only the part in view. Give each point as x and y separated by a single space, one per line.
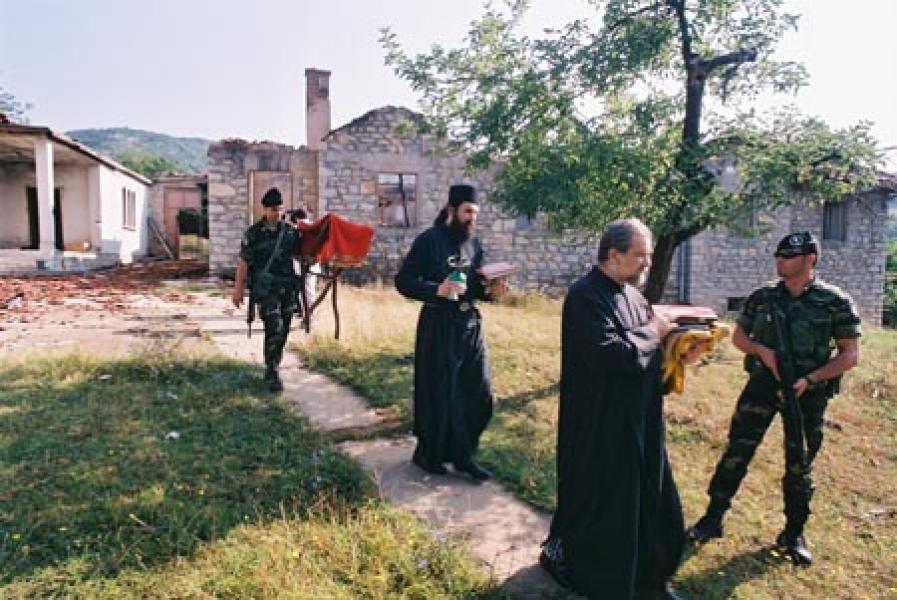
503 531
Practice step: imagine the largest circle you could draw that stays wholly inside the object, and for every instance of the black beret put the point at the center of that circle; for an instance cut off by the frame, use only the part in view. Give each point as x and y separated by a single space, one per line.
272 198
461 193
798 243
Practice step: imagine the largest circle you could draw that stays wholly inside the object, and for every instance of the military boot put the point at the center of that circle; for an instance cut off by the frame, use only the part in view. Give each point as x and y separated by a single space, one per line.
272 376
707 528
795 546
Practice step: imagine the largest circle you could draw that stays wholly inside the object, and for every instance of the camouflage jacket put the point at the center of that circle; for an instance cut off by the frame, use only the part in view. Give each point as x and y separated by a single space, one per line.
822 314
258 243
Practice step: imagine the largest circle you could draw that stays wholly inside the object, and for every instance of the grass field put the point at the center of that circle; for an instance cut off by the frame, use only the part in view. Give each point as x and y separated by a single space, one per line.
178 477
853 531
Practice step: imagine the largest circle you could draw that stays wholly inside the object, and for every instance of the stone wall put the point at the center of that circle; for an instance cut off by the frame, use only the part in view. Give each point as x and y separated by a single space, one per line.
231 165
725 265
343 177
354 156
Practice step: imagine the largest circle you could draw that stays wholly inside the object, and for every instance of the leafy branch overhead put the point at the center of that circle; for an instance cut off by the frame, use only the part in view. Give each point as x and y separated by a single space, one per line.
636 110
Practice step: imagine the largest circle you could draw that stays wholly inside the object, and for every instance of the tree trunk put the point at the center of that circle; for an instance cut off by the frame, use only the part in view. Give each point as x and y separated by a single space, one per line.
661 262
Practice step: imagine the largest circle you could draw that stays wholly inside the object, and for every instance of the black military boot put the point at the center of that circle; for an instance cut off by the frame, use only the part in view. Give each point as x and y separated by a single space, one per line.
707 528
795 546
272 376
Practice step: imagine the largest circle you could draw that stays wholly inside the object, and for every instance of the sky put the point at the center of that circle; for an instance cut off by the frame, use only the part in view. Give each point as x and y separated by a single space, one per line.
234 68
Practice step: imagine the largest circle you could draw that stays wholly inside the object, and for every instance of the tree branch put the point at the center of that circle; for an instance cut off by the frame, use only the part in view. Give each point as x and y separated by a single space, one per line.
733 58
679 7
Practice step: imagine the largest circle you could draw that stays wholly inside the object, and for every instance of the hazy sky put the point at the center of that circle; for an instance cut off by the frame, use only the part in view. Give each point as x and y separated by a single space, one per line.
228 68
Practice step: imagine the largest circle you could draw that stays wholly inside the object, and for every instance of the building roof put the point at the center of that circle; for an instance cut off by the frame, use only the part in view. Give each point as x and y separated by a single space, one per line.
10 129
384 111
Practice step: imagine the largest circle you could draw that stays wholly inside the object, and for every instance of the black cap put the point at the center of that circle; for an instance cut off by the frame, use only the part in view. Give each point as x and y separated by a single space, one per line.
272 198
461 193
795 244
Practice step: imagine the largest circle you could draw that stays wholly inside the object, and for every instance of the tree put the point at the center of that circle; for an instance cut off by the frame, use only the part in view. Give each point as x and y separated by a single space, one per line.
637 117
149 164
14 109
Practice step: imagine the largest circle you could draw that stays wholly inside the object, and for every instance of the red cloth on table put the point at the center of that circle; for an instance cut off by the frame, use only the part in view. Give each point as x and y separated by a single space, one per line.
345 244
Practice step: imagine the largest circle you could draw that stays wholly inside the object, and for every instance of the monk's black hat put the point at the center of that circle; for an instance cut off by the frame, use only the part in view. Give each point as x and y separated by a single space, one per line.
272 198
795 244
461 193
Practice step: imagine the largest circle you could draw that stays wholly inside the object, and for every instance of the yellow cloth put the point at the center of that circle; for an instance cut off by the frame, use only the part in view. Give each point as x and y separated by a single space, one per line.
686 347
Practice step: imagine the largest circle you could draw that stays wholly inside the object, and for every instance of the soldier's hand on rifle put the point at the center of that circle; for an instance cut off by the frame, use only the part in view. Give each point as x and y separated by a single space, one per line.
237 296
801 386
768 357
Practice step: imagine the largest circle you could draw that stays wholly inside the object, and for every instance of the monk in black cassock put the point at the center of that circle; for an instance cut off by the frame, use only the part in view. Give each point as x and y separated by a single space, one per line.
452 390
618 531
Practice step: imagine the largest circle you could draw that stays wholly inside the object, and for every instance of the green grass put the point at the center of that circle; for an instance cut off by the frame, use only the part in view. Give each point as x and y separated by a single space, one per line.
97 500
853 530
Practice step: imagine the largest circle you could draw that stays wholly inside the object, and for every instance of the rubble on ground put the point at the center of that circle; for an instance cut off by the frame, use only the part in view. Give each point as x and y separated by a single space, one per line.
25 298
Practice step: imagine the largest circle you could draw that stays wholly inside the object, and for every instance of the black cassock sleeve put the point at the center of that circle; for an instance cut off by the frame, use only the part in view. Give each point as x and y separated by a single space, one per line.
411 280
613 345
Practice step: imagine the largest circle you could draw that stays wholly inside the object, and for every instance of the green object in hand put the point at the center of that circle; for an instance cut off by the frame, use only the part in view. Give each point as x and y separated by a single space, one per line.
457 276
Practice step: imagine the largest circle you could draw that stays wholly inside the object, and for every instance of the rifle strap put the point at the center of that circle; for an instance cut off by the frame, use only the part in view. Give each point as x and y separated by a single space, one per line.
283 230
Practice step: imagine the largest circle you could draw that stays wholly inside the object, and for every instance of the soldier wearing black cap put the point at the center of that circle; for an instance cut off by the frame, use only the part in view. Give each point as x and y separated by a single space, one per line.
266 260
818 318
452 390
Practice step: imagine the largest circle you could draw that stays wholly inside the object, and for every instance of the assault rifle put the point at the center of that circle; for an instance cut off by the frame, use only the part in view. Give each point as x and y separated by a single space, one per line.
250 315
792 416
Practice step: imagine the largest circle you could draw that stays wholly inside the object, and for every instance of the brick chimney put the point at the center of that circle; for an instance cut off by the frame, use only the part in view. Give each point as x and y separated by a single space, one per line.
317 107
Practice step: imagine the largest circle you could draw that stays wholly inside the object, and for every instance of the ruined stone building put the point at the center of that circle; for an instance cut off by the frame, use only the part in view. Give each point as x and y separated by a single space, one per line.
363 170
367 171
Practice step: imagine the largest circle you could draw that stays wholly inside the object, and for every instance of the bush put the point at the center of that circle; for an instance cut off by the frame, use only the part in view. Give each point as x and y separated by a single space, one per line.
192 221
889 315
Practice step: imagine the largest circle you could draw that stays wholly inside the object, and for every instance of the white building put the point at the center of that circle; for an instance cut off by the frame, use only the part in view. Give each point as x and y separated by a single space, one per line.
64 206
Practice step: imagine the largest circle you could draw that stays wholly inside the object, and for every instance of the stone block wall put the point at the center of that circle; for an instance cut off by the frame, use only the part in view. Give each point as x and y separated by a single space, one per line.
726 265
354 156
231 164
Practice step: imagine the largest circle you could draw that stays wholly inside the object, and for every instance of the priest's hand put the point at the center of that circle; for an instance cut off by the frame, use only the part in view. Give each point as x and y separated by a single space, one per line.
498 287
448 286
661 324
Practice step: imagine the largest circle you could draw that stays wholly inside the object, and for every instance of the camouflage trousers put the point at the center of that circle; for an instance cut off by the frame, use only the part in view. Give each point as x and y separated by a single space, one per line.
276 311
755 410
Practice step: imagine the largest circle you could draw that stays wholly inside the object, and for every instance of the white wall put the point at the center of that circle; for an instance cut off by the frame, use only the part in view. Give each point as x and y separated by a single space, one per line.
115 239
72 182
14 205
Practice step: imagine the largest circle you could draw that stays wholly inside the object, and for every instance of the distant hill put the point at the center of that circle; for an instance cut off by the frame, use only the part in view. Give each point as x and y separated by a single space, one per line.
189 153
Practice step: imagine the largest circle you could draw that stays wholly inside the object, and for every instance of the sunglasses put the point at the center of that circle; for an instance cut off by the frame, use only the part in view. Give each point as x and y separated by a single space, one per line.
787 255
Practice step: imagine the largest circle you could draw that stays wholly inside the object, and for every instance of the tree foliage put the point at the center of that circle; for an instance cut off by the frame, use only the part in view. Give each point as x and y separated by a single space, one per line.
626 114
14 109
149 165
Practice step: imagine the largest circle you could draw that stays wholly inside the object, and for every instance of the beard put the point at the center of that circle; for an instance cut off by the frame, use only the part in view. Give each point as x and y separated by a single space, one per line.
460 231
638 279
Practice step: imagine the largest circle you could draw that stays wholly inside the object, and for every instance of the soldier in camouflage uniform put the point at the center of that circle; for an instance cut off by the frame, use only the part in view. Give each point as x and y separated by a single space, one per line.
821 318
276 299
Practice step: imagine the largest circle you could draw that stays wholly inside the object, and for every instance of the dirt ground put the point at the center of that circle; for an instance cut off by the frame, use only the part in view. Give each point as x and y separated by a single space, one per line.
103 312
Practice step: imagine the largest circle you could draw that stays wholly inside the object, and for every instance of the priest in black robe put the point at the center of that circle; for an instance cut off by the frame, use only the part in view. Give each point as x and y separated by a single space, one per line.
452 388
618 531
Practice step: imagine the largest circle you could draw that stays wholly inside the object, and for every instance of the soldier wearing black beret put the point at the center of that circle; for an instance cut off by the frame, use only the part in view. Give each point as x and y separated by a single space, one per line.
814 318
266 261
